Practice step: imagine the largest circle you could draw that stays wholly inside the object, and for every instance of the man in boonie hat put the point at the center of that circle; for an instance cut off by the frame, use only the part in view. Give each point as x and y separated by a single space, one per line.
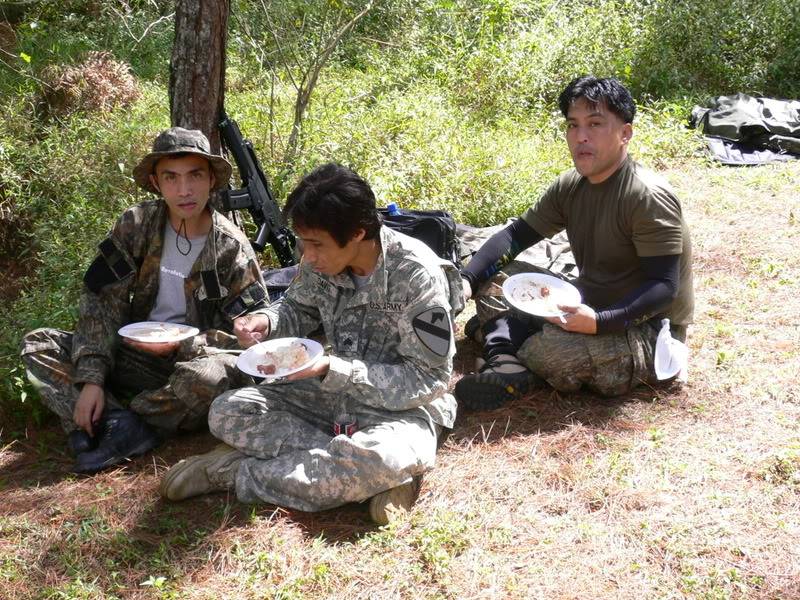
173 143
171 260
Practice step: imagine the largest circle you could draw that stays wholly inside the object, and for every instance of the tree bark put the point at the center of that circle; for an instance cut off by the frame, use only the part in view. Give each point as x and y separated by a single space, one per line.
197 67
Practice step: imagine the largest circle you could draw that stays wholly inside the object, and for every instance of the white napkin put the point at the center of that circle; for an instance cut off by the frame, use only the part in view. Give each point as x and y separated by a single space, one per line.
672 356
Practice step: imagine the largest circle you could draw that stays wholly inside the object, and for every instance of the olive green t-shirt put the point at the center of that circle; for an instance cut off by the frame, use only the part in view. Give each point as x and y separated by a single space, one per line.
610 225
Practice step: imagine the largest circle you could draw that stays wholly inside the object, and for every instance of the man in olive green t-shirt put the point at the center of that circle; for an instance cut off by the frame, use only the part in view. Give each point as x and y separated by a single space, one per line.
633 252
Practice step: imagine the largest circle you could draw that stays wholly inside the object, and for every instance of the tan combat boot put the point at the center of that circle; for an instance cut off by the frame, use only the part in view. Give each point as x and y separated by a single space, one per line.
386 506
210 472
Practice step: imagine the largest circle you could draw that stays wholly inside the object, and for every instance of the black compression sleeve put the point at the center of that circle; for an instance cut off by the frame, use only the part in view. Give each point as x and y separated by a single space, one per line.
661 287
498 251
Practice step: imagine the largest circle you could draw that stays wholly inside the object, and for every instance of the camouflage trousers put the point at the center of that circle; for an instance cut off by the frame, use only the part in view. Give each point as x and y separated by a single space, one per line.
168 393
609 364
294 459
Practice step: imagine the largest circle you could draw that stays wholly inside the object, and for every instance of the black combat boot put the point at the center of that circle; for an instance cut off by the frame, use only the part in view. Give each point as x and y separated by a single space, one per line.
473 330
501 379
79 441
124 436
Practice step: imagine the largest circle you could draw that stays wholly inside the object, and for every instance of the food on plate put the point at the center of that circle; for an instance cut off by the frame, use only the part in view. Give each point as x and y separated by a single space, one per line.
156 333
536 298
284 359
267 368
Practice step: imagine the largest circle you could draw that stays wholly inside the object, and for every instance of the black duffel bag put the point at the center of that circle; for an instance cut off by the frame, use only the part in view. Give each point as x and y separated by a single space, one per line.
434 227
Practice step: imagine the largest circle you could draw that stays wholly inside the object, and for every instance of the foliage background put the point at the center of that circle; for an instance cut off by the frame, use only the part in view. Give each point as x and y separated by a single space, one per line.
438 103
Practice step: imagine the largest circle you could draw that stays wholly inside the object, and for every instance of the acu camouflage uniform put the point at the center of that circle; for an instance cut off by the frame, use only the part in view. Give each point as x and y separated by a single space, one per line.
391 349
121 287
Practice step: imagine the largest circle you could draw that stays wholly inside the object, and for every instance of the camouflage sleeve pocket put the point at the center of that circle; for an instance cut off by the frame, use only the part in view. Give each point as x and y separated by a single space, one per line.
251 297
111 265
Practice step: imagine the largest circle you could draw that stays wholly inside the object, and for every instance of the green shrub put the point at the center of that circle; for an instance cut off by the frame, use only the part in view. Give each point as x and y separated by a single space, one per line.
720 47
63 33
422 149
75 180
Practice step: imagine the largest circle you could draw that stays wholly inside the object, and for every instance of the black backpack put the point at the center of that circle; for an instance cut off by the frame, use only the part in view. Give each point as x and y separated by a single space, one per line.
434 227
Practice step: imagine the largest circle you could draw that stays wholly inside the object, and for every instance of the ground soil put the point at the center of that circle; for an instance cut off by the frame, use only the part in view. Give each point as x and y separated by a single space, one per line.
13 272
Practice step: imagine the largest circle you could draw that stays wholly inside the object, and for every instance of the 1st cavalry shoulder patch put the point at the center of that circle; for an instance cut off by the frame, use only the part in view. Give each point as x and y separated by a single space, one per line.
433 329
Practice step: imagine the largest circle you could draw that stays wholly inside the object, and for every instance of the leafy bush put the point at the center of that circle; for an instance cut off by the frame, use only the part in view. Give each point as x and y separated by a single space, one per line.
719 47
136 32
13 221
422 149
73 180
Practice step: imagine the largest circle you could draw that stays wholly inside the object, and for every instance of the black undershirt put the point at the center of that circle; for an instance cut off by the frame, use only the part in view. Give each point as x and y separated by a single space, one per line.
662 274
498 251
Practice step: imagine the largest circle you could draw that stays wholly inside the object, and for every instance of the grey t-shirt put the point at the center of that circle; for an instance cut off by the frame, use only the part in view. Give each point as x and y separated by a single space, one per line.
175 268
359 281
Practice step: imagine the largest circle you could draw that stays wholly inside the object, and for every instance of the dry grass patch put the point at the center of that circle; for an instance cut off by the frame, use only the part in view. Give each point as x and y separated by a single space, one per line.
678 492
99 83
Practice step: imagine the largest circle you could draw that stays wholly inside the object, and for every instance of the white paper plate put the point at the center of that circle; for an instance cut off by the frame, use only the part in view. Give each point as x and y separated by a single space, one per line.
522 291
156 332
256 355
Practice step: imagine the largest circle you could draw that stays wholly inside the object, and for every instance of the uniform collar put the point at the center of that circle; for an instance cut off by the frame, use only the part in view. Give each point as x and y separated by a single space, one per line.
377 283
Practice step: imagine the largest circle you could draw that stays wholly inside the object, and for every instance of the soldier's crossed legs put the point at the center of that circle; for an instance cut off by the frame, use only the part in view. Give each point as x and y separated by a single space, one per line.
168 395
294 460
608 364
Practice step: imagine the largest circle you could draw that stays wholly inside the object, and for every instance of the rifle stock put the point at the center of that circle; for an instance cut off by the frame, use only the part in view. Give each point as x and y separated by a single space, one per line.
255 196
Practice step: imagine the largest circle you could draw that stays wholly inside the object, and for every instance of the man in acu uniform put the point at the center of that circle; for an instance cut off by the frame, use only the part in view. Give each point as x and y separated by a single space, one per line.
632 247
173 259
384 302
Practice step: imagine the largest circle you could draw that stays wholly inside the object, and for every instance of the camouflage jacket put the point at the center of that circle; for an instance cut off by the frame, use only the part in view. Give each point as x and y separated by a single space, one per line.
391 341
121 285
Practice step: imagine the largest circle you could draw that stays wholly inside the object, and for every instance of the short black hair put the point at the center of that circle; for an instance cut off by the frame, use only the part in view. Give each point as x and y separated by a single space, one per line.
334 199
608 91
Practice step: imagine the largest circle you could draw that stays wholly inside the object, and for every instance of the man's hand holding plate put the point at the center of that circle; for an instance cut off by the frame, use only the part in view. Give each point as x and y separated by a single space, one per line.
319 368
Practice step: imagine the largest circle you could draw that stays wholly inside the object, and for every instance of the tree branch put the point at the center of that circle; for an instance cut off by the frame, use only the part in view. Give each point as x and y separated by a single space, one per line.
309 82
147 29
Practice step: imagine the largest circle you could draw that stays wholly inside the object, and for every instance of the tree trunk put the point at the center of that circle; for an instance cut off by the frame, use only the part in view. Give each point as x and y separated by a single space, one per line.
197 67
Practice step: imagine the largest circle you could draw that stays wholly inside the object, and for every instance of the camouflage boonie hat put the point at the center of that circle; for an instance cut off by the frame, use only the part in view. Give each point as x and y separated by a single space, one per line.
177 140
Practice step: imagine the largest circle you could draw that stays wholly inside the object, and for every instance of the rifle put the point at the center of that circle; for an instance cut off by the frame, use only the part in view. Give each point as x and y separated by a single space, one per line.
255 196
